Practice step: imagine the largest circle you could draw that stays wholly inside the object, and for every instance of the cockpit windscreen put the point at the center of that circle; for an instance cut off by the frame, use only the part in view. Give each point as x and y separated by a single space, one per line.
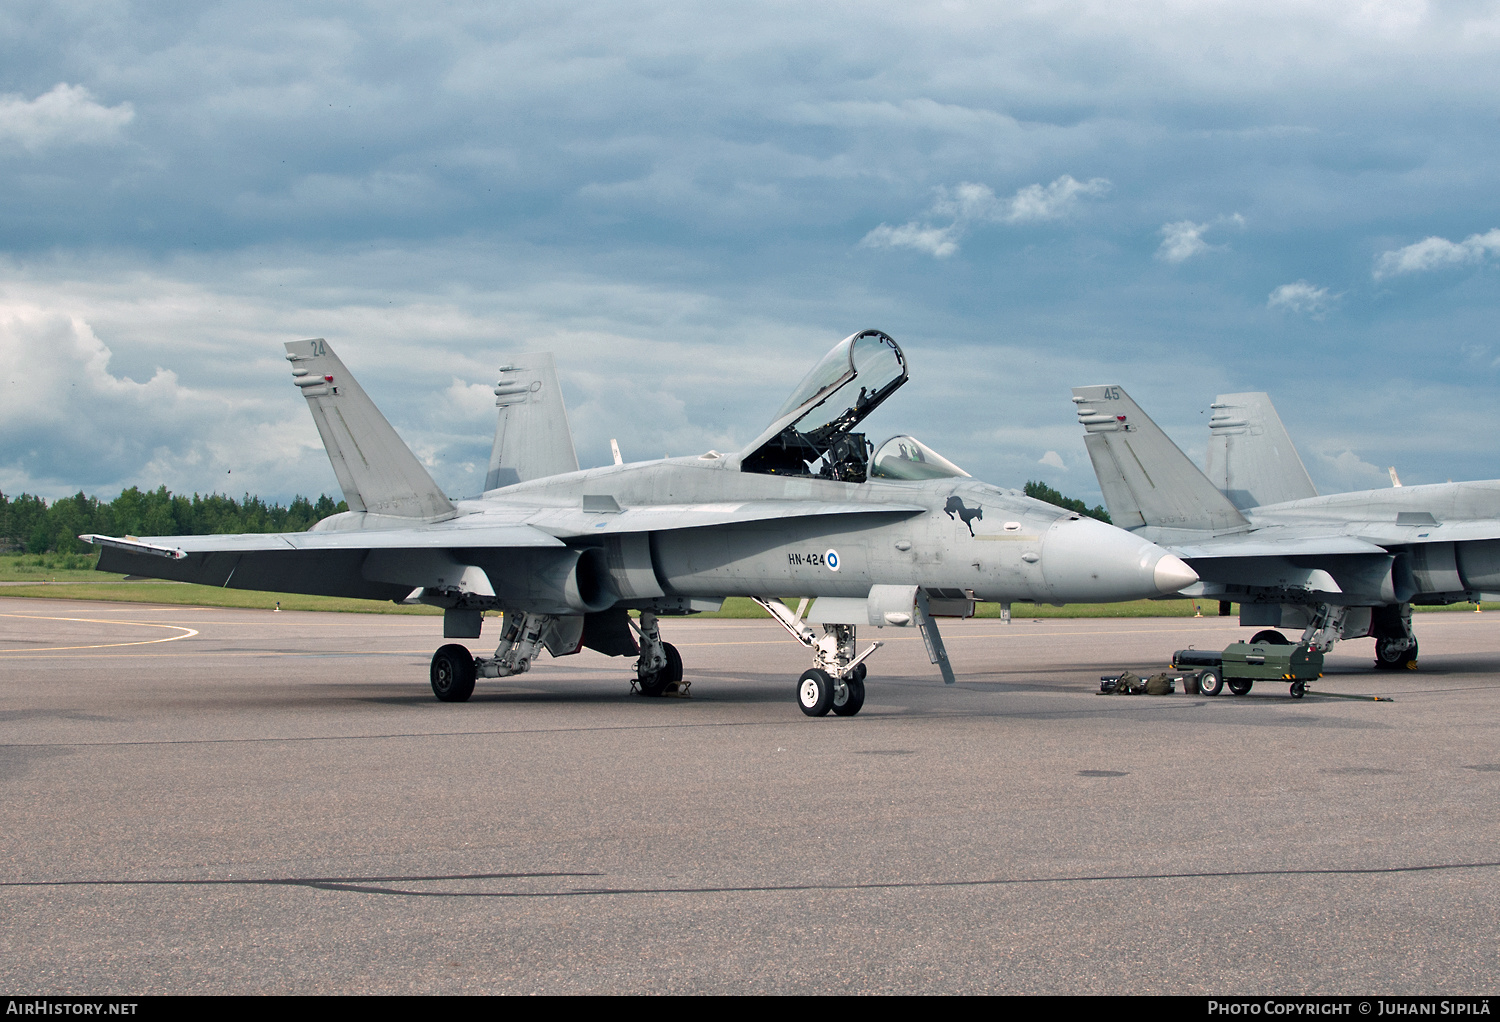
906 457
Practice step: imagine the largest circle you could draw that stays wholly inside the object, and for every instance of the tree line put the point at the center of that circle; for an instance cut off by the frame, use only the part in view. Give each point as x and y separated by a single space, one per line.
1041 491
31 525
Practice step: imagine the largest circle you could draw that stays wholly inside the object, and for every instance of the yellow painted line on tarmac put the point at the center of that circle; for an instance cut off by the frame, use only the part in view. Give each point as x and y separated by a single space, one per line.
187 633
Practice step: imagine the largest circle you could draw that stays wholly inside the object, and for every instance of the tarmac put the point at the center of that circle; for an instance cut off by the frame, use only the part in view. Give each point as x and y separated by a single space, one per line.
205 800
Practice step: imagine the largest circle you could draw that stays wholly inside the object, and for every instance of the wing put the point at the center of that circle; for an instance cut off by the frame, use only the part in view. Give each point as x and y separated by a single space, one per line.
518 553
368 564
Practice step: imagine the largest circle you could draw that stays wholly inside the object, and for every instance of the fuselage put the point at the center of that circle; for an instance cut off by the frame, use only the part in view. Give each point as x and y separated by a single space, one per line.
961 537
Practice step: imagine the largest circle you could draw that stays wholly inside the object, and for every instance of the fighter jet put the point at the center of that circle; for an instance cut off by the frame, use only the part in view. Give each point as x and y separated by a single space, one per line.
1339 566
890 537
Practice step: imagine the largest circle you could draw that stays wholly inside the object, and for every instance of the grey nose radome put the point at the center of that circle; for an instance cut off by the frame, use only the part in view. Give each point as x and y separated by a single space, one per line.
1084 560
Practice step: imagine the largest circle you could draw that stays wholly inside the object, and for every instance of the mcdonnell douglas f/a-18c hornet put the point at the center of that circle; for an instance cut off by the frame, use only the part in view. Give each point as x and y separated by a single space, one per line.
1338 566
890 537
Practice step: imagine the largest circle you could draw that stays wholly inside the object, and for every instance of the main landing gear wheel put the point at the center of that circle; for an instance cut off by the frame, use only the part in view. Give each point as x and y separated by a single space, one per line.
453 673
659 681
1389 658
1210 683
1270 636
1240 686
815 692
853 692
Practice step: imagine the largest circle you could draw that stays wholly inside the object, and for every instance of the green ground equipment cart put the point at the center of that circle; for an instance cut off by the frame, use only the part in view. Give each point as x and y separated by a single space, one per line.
1241 664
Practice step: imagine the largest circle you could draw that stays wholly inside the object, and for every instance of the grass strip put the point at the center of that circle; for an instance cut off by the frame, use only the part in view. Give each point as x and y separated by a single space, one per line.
185 594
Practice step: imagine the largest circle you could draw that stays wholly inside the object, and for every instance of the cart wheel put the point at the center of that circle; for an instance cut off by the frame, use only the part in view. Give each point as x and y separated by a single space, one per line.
1240 686
1209 683
1297 689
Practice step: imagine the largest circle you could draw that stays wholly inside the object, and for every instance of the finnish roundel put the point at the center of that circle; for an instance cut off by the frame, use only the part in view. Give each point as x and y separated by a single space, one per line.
831 558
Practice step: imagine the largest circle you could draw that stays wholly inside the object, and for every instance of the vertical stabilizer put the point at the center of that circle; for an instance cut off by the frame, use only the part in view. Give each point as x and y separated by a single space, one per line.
378 473
1250 456
532 439
1146 478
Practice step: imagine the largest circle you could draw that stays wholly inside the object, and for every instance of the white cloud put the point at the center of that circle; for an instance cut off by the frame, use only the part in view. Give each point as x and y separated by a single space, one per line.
1345 471
67 114
1437 253
73 414
1303 298
1052 458
935 241
1183 239
66 419
968 203
1035 202
471 403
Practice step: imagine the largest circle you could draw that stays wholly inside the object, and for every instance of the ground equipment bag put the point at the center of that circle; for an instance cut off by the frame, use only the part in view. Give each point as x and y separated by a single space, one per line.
1160 685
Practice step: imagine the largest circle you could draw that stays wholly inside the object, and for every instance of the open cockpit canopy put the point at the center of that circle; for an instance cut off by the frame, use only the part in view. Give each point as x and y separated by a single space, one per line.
812 434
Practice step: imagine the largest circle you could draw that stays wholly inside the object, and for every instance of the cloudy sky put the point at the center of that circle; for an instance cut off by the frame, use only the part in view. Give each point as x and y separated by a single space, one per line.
689 203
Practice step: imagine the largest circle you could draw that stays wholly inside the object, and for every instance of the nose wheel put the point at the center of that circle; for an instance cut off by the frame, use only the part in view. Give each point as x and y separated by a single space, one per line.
849 697
815 692
818 692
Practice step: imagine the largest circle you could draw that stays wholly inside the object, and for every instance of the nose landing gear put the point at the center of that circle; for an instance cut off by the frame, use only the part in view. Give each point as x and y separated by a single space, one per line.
837 682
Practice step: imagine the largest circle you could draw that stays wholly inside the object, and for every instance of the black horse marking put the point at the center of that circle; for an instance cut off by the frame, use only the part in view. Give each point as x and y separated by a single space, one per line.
956 511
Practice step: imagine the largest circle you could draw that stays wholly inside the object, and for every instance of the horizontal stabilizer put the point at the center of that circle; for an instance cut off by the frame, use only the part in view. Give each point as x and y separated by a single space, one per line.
375 469
132 545
1145 477
1251 459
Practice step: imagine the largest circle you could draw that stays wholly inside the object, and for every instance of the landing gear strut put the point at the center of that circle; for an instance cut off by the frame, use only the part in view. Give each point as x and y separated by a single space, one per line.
1326 627
520 635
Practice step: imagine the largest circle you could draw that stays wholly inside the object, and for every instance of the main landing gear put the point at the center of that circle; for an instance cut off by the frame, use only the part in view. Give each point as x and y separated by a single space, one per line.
837 682
455 669
1390 625
659 670
1395 645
